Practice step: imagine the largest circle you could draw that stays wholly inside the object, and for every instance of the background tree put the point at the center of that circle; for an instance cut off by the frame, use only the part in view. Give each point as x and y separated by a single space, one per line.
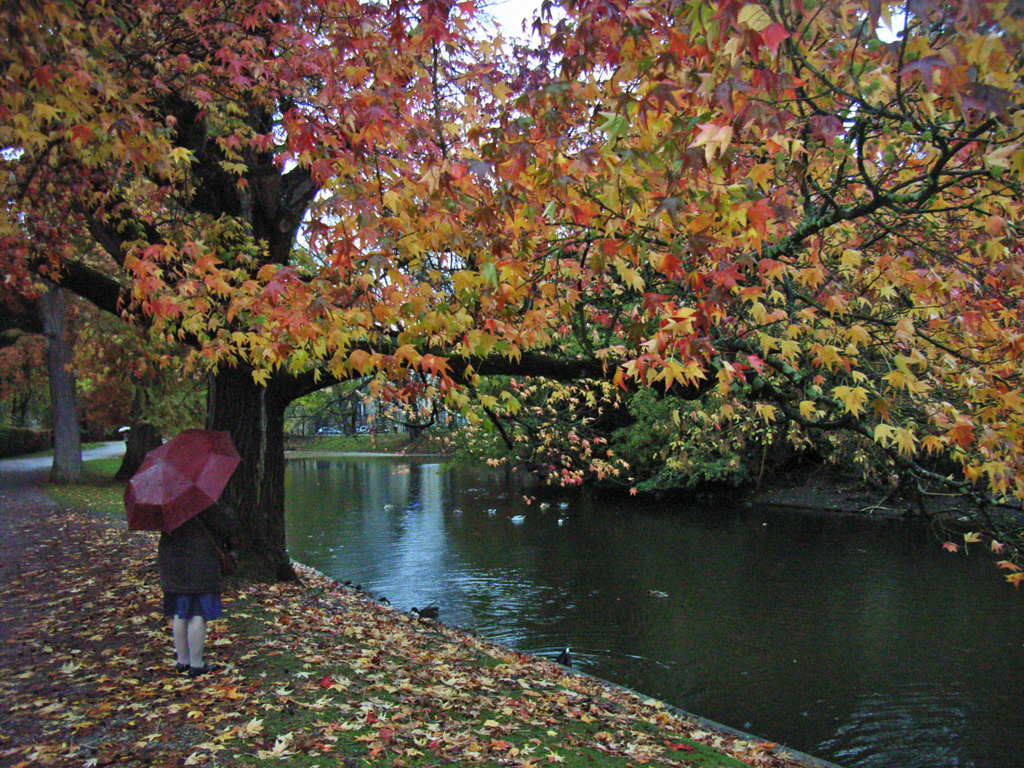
335 408
128 379
67 438
23 382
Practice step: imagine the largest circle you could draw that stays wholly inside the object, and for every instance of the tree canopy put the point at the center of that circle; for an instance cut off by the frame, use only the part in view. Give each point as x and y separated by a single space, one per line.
810 205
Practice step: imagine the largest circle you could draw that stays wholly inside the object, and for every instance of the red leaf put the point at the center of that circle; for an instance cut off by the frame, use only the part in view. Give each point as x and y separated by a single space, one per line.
678 747
773 35
926 68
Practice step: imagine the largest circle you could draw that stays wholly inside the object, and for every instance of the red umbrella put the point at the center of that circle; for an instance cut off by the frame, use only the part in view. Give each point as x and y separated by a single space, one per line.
179 479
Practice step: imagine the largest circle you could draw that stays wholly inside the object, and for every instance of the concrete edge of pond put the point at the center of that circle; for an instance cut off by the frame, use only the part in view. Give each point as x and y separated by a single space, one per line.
781 750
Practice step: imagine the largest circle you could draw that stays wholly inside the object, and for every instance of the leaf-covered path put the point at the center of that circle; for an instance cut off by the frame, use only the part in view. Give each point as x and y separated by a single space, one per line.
314 674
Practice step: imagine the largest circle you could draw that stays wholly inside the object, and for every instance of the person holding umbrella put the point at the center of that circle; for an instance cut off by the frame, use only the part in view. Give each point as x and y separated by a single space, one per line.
191 579
176 492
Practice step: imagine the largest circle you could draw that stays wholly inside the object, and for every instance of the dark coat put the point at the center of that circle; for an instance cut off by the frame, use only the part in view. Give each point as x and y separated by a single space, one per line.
187 558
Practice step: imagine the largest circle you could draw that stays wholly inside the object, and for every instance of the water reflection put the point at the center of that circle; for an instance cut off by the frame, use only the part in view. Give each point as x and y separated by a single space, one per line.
856 640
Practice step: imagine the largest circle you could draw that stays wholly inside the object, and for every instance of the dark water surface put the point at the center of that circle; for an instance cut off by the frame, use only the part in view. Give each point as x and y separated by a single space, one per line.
860 641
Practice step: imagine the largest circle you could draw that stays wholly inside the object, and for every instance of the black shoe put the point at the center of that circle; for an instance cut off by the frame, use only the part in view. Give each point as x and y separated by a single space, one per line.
181 669
197 671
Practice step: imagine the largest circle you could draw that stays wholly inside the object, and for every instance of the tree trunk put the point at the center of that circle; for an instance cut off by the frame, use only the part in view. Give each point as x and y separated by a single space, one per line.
254 415
140 440
67 441
142 436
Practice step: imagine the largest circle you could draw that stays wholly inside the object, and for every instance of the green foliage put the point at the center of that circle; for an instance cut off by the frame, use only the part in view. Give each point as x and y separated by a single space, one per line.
24 393
18 442
676 444
557 431
669 447
127 376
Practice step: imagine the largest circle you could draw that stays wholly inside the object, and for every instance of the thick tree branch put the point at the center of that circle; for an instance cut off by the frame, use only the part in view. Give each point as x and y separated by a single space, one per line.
94 286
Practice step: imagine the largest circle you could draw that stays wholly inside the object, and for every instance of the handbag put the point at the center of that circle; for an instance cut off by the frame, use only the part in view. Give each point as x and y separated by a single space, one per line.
228 560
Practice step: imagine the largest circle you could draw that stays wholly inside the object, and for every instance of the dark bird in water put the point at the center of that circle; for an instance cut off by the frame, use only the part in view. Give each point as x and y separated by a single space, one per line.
429 612
564 658
384 600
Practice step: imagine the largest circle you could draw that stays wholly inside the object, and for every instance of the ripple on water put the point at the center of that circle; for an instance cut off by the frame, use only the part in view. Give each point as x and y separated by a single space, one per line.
931 718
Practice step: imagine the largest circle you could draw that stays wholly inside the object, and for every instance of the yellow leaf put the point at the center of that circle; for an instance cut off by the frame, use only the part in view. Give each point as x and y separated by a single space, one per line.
180 155
884 433
713 136
789 349
45 111
753 17
407 353
762 174
906 441
858 334
852 398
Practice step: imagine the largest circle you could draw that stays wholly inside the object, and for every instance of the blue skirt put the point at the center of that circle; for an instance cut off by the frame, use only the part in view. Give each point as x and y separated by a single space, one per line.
185 606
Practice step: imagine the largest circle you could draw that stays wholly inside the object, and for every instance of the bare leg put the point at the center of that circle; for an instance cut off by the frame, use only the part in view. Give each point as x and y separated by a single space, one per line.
196 640
179 628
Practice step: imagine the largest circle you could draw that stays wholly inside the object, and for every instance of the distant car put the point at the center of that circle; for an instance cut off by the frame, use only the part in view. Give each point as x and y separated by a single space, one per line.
328 431
362 430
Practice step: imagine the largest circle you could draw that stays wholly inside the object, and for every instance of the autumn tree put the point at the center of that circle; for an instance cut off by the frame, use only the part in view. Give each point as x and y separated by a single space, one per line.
765 197
818 215
182 147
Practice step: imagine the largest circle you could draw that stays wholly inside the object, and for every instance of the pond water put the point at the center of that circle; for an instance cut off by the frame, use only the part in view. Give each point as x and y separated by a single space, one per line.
856 640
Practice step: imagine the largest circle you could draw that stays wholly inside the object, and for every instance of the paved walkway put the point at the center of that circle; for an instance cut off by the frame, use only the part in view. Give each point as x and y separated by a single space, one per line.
25 509
28 517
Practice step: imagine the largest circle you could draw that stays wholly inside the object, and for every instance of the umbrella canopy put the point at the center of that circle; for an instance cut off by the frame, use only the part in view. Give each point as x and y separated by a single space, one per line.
179 480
